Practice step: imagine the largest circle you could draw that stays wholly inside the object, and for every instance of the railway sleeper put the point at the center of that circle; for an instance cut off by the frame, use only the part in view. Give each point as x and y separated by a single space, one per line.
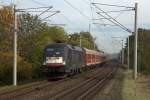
91 92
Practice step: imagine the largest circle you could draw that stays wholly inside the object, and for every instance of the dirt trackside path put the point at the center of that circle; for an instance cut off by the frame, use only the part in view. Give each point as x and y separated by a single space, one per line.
124 87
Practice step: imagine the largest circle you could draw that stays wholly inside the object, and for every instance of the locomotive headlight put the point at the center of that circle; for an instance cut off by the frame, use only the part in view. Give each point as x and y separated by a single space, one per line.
64 63
54 60
44 63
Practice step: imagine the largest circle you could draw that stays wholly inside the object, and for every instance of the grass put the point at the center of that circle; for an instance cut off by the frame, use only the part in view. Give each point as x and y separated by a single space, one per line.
135 89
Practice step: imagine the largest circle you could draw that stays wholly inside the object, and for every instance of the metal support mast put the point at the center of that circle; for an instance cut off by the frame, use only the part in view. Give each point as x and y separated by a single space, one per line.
15 48
122 53
121 56
128 61
94 39
80 40
89 28
135 42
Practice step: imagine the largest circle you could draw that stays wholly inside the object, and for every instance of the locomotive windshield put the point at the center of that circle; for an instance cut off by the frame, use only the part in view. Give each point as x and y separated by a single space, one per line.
54 51
57 50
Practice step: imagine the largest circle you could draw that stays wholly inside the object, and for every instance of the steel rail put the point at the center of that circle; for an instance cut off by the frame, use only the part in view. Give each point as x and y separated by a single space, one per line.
72 90
25 90
97 87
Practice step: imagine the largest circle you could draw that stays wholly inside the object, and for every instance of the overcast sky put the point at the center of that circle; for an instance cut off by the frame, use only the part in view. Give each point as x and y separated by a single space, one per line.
78 15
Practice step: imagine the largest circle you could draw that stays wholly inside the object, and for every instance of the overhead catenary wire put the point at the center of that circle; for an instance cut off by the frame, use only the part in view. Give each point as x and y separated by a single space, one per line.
65 17
119 14
117 11
36 9
105 24
51 15
81 13
109 18
89 4
41 4
118 23
45 11
92 15
42 12
93 18
103 46
23 9
99 18
114 21
91 9
113 5
39 11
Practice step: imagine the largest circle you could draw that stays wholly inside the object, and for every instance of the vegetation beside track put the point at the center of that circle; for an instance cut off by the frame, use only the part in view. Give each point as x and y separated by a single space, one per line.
143 51
33 35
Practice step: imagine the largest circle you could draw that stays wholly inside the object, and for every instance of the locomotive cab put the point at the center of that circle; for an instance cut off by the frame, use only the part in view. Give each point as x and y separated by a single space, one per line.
54 60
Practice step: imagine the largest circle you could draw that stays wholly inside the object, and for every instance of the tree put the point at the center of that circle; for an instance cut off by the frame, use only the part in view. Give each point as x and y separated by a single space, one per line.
86 39
6 29
143 50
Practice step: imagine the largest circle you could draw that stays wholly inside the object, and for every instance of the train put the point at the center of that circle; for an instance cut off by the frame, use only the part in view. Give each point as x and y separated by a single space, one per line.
60 60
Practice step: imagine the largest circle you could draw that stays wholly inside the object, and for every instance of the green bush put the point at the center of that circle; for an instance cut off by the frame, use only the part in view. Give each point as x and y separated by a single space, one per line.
143 51
24 69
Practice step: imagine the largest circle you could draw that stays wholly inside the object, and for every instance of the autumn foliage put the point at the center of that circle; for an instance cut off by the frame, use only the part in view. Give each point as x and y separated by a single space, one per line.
33 35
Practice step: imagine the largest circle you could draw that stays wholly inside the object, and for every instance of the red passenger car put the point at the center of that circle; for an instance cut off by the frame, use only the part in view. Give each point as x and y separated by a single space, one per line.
93 57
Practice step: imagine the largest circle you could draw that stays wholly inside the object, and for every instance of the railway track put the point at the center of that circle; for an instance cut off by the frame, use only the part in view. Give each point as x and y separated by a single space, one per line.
19 88
33 87
96 88
87 89
53 96
9 95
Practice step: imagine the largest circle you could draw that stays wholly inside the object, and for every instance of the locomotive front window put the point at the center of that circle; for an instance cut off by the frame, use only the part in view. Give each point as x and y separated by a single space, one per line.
54 51
50 49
